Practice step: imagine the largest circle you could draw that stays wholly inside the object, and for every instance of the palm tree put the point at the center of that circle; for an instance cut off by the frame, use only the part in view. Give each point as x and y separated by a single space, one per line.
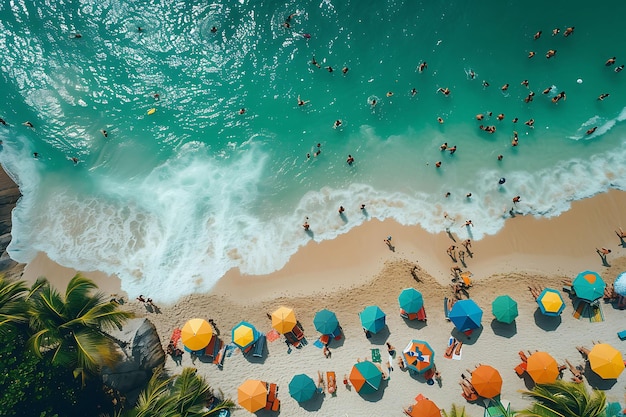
184 395
13 306
72 328
564 399
455 411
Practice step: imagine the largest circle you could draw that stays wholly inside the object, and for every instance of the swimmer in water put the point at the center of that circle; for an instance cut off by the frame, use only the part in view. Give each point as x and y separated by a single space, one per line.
500 116
524 83
413 92
480 116
302 102
3 122
550 53
547 90
344 70
515 120
537 35
314 62
213 29
590 131
504 87
485 84
444 91
337 124
555 31
603 96
568 31
422 66
28 124
531 54
610 62
620 68
440 120
242 110
530 123
444 146
104 133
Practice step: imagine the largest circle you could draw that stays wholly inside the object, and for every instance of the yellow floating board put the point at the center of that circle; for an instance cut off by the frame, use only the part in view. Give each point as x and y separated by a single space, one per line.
151 111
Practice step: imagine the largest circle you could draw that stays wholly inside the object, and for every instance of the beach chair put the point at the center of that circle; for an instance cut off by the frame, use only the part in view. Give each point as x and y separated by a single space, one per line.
421 314
520 369
332 382
175 336
325 339
216 348
446 311
292 339
297 331
221 354
259 347
408 316
208 350
272 390
622 335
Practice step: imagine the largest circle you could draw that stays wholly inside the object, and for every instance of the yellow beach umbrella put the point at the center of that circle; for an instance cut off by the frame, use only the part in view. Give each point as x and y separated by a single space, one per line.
284 320
252 395
542 368
196 334
606 361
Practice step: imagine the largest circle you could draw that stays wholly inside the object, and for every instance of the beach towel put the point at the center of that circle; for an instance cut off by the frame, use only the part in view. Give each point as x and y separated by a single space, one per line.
318 344
455 356
272 335
230 348
376 355
175 336
451 342
595 314
579 309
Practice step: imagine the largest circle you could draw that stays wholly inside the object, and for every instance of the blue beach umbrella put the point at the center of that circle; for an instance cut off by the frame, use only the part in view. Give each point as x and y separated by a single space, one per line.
550 302
466 315
410 300
302 388
589 286
325 322
372 319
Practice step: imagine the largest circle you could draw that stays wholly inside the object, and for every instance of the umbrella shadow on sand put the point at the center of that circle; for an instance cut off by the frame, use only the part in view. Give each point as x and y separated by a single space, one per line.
547 323
595 381
376 396
503 329
381 337
314 404
415 324
467 340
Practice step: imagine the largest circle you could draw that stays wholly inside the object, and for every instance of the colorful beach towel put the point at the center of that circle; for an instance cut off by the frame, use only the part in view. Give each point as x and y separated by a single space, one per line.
175 336
272 335
318 344
595 314
376 355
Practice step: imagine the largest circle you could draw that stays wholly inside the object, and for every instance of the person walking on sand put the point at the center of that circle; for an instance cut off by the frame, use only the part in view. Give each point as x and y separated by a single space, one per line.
621 234
451 251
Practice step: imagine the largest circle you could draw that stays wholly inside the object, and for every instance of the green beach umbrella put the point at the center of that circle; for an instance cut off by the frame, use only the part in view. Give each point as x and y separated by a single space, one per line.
504 309
410 300
302 388
372 319
589 286
325 322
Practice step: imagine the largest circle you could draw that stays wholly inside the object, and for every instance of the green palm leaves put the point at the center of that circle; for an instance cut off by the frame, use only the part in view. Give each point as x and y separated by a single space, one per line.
565 399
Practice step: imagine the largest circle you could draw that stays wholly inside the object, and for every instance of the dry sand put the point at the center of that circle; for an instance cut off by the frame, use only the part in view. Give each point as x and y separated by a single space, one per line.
357 269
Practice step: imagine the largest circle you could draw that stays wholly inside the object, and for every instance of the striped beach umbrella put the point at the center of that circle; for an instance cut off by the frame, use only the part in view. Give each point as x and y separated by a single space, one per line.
504 309
284 320
252 395
325 322
550 302
244 334
410 300
366 377
196 334
466 315
606 361
542 368
589 286
419 356
302 388
372 319
487 381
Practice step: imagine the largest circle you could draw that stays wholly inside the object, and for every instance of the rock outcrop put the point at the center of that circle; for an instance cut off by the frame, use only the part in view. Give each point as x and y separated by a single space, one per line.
140 352
9 194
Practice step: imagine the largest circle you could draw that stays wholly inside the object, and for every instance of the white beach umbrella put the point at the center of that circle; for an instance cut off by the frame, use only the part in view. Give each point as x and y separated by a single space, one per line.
620 284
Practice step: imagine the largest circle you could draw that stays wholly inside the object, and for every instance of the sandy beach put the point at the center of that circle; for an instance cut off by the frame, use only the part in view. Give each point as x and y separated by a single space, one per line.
358 269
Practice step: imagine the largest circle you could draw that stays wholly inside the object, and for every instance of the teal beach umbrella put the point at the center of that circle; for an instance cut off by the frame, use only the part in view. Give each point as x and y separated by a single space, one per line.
366 377
504 309
466 315
372 319
410 300
302 388
325 322
589 286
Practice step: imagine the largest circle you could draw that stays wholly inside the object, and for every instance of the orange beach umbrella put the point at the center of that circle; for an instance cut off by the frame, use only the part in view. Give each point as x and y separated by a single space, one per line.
196 334
606 361
487 381
284 320
542 368
252 395
425 408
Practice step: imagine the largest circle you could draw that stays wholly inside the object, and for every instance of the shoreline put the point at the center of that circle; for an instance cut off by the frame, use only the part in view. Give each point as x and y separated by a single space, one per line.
548 246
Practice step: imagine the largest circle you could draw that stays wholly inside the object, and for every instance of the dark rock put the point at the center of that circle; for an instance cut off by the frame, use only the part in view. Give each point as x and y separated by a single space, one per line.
9 195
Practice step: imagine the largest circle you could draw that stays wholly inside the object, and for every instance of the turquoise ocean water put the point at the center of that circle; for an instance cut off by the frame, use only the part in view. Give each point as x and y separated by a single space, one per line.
171 201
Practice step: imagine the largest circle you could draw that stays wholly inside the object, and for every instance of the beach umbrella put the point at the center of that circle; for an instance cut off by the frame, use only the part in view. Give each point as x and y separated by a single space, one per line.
419 356
284 320
325 322
410 300
542 368
606 361
196 334
252 395
244 334
302 388
372 319
365 377
620 284
589 286
425 408
550 302
487 381
504 309
466 315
